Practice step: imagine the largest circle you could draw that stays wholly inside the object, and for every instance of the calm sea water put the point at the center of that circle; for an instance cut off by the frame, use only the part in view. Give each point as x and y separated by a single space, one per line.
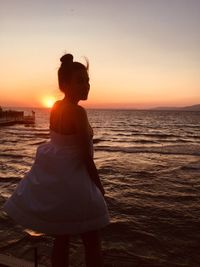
149 162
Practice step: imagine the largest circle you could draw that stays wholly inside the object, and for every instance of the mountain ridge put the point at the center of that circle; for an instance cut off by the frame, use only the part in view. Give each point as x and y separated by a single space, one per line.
186 108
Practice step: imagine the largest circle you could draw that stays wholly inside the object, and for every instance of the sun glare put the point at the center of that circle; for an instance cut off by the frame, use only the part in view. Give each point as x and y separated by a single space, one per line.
48 101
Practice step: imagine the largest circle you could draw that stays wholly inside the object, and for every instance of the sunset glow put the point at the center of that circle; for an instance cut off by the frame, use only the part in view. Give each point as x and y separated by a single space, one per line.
141 54
48 101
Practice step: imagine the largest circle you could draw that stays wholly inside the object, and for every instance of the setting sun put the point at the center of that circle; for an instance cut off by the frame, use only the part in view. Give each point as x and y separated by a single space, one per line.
48 101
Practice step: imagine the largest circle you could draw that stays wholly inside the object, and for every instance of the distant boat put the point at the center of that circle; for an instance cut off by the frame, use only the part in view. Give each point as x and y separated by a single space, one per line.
11 117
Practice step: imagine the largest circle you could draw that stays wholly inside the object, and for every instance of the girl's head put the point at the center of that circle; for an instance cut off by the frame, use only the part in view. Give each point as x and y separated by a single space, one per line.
73 78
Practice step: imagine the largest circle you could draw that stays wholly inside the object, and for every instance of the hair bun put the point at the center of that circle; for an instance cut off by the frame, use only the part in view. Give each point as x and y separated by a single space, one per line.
67 59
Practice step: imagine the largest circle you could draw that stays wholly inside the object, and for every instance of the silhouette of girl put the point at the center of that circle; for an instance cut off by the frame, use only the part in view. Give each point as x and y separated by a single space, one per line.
62 194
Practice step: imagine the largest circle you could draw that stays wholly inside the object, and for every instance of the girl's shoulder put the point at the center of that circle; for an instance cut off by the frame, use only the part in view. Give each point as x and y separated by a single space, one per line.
56 105
80 112
75 112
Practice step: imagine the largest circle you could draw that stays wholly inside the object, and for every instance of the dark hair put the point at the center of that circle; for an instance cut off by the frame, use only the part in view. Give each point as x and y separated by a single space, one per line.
67 67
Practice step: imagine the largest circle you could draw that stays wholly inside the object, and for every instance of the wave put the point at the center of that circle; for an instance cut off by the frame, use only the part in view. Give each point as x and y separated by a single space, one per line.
97 140
193 136
143 141
127 139
43 135
16 156
10 179
128 134
171 149
11 155
8 141
192 166
187 126
38 143
165 196
160 135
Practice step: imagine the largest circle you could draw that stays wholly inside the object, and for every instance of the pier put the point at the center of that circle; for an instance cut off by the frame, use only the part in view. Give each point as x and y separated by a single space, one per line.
11 117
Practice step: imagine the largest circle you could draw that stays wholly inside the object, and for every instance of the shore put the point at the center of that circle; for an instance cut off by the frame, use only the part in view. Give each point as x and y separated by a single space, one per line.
16 242
119 248
22 247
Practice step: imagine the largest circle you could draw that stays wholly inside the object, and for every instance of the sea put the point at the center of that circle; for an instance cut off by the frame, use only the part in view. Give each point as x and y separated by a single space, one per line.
149 164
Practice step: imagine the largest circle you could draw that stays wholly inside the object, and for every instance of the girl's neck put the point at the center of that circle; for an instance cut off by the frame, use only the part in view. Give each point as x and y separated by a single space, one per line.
71 100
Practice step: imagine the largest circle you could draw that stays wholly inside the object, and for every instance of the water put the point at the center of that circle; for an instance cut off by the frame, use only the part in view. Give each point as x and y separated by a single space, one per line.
149 163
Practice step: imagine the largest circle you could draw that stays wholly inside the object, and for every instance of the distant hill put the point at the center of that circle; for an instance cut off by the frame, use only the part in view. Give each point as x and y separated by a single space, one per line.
187 108
192 108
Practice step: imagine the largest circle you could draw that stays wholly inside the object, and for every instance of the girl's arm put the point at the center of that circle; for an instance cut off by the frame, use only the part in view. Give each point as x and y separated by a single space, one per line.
81 124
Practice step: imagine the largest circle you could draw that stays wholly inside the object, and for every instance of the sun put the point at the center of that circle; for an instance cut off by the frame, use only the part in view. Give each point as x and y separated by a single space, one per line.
48 101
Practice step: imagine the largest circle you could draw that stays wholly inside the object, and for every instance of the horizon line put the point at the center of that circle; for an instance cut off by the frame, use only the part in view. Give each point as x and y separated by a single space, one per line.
156 107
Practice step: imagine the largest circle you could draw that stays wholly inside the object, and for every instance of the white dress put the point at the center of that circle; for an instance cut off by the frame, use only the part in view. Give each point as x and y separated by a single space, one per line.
57 195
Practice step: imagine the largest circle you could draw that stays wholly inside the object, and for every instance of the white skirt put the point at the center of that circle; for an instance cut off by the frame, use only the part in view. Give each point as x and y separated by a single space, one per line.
57 195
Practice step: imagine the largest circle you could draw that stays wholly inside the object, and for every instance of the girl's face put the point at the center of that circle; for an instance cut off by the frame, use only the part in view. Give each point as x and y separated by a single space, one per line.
79 85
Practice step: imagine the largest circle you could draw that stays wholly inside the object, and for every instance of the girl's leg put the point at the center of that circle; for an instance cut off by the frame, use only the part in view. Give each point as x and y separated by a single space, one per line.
60 251
93 253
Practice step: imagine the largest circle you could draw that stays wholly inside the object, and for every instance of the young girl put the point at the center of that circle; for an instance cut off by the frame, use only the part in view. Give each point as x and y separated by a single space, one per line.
62 194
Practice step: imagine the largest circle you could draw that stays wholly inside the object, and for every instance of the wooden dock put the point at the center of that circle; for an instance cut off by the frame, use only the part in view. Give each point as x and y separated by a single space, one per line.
11 117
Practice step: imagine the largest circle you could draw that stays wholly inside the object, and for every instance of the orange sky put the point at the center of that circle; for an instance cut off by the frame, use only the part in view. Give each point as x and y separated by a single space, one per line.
141 53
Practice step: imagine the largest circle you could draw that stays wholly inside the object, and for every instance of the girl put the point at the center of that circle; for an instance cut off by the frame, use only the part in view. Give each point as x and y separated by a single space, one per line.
62 194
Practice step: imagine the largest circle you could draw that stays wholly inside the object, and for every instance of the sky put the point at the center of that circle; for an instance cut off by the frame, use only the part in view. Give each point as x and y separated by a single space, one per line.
142 53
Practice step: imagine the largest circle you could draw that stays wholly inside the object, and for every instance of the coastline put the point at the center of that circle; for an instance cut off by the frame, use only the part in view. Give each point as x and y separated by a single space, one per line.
149 165
16 243
117 246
